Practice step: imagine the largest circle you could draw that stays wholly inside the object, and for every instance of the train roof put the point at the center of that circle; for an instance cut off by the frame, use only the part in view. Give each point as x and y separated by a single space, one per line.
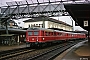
75 32
57 30
35 28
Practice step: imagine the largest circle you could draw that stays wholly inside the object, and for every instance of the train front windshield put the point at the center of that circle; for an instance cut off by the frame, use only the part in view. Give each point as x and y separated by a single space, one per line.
35 32
30 33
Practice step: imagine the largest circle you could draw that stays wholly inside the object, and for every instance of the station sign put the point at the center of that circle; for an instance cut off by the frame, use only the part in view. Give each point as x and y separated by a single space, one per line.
86 23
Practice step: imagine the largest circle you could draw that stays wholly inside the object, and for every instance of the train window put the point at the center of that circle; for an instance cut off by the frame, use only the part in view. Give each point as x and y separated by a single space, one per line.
60 34
29 33
55 33
46 33
35 32
63 34
51 33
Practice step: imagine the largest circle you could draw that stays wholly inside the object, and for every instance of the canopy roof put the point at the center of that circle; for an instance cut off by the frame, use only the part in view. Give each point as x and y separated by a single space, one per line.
37 2
80 13
79 9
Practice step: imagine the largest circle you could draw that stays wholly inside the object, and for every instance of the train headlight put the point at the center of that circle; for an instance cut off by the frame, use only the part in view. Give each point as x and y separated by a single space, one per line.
32 38
43 38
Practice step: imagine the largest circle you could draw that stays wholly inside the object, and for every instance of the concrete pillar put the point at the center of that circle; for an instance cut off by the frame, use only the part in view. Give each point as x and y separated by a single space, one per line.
6 27
0 16
43 22
18 40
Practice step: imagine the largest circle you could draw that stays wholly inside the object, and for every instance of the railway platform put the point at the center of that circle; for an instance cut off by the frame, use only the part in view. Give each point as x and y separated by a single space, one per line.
81 51
5 48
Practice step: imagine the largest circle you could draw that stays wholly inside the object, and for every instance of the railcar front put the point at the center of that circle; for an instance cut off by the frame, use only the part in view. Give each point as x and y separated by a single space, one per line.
35 36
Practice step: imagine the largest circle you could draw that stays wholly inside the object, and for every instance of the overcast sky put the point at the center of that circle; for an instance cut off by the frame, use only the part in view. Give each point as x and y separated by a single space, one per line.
66 19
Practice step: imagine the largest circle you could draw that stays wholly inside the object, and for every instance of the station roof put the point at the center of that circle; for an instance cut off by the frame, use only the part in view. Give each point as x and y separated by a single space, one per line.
13 31
80 13
41 18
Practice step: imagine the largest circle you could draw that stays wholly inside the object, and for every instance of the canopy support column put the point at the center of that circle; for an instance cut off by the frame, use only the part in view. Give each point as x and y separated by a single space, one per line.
88 39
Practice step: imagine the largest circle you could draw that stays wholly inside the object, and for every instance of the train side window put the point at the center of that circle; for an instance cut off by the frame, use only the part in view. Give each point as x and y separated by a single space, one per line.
54 33
63 34
51 33
66 34
46 33
60 34
30 33
69 34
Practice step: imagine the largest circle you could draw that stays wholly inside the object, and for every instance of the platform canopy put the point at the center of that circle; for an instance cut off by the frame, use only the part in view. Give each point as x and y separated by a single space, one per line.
80 13
78 9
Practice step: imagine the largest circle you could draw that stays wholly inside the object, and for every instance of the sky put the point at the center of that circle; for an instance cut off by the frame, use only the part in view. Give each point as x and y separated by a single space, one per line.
66 19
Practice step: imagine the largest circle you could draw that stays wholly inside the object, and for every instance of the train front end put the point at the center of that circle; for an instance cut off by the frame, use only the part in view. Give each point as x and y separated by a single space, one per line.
34 36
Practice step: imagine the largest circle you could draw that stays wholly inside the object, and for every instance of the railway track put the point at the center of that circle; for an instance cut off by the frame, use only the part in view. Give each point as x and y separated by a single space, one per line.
51 54
15 52
36 54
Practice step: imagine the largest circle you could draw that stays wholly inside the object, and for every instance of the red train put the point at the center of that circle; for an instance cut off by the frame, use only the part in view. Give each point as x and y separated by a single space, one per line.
37 36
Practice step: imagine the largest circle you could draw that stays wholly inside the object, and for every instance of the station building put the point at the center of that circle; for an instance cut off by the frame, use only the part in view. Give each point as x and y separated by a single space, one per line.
46 22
